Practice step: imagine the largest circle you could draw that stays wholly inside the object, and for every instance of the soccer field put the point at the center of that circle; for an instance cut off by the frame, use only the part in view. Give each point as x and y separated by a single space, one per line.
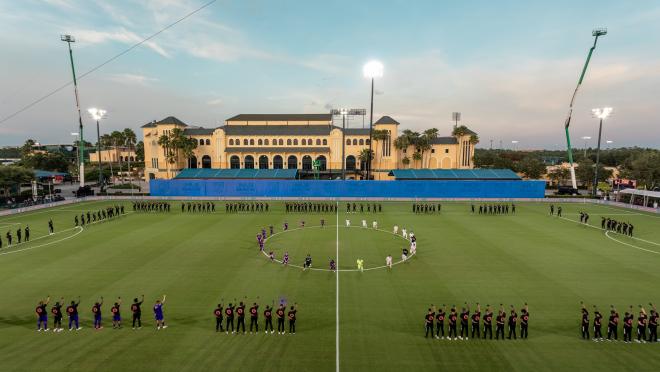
198 259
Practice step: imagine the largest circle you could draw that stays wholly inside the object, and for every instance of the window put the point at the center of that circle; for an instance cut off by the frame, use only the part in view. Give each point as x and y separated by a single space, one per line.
231 142
275 142
325 142
368 141
432 151
245 142
281 142
206 161
361 142
263 162
354 142
208 142
192 162
446 151
348 142
292 162
251 142
260 142
201 142
278 162
307 162
295 142
234 162
288 142
350 162
266 142
304 142
248 162
322 161
318 142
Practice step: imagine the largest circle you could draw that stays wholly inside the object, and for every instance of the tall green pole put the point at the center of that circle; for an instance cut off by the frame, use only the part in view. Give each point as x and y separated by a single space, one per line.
596 33
81 145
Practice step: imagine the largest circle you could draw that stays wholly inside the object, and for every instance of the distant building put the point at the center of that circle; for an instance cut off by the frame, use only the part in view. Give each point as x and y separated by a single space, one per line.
114 155
295 141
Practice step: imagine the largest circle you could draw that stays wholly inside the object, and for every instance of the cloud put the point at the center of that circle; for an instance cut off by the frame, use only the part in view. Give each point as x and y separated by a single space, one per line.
215 102
132 79
121 35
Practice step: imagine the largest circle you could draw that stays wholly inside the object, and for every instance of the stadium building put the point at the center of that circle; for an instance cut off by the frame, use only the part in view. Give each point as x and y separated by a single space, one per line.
311 143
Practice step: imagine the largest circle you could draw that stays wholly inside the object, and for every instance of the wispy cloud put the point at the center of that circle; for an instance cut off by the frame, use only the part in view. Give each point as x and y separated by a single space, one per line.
215 102
121 35
132 79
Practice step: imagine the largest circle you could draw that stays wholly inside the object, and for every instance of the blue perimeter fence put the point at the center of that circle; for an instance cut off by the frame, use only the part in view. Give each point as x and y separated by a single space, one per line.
337 189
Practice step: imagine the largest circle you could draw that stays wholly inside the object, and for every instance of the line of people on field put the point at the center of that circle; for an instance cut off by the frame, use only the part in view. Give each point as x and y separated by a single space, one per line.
493 209
246 207
584 218
625 228
426 208
362 207
471 325
237 311
99 215
20 233
308 207
74 317
151 206
644 321
552 210
196 207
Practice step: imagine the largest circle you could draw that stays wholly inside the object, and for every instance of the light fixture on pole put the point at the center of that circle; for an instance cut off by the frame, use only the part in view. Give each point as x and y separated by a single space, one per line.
81 149
372 70
585 138
609 143
97 115
515 144
601 114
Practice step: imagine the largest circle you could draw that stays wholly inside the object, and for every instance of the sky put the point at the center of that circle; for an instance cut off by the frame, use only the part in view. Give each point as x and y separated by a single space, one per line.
510 67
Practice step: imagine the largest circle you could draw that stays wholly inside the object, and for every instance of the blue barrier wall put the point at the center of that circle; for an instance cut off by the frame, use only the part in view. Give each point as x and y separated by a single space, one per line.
347 189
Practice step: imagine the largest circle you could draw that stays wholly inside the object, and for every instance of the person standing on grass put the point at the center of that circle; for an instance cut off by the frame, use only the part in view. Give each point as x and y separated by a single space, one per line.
254 317
280 319
268 315
19 235
229 312
158 314
218 318
552 209
585 322
96 311
613 324
524 322
51 229
428 321
653 324
360 264
501 317
559 211
42 314
453 317
72 312
488 322
137 312
628 325
8 235
440 322
513 320
292 319
240 315
56 310
27 233
476 316
465 316
641 325
388 261
116 315
598 319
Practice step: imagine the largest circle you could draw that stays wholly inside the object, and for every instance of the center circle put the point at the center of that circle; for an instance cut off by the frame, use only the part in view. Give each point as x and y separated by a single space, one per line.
320 242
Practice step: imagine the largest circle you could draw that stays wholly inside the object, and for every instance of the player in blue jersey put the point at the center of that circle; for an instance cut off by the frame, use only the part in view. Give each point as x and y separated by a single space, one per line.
96 311
158 314
116 315
72 311
42 314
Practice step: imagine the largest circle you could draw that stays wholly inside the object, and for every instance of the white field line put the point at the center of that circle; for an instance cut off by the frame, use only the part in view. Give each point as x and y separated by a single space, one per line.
607 233
338 226
613 232
80 229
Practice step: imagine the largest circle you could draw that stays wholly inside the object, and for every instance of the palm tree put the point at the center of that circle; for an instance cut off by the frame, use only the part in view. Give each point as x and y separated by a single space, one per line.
189 144
165 142
429 136
379 135
417 156
405 161
365 157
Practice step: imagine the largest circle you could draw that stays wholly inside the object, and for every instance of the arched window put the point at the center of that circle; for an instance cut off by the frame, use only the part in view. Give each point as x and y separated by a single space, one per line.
288 142
231 142
251 142
208 142
361 142
367 141
131 158
234 162
350 162
304 142
248 162
354 142
201 142
260 142
192 162
121 158
278 162
206 161
318 142
348 142
275 142
292 162
307 162
263 162
325 142
295 142
266 142
281 142
245 142
322 161
309 142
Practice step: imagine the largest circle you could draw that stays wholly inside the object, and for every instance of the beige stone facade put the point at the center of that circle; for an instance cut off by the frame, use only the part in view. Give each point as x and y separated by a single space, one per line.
281 141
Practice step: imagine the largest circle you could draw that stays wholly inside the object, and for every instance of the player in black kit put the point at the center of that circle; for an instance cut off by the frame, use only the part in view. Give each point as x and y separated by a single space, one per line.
585 322
268 314
476 316
218 316
240 315
428 321
280 319
488 323
254 316
613 324
229 312
513 320
137 312
440 322
501 318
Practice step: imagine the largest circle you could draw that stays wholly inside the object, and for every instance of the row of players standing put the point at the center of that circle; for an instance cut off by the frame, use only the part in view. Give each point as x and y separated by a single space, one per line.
25 232
197 207
362 207
426 208
643 321
246 207
151 206
494 208
230 311
439 315
307 207
99 215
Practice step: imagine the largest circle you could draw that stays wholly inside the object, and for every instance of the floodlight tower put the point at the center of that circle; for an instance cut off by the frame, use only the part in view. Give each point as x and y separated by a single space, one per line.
372 70
602 114
98 114
81 149
596 33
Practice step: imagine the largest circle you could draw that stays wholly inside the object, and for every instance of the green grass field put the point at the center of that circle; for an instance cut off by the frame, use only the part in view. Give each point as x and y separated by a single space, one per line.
196 260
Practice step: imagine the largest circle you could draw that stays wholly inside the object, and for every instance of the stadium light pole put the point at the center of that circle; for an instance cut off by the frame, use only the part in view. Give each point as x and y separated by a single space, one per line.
601 114
372 70
585 138
98 114
596 34
75 136
81 177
